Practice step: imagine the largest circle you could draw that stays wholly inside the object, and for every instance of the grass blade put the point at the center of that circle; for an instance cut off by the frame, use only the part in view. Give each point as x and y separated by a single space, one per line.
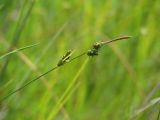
17 50
141 110
66 93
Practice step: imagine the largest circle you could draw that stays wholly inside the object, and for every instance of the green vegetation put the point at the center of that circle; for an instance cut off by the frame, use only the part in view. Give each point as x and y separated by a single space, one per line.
120 83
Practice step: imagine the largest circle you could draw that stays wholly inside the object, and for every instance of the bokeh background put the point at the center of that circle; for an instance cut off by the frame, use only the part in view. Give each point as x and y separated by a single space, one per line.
121 83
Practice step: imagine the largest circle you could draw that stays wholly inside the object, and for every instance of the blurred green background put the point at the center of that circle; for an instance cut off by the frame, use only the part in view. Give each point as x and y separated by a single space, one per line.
116 85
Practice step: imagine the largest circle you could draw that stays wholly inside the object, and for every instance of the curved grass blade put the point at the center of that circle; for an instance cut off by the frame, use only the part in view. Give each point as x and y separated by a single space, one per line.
17 33
16 50
144 108
116 39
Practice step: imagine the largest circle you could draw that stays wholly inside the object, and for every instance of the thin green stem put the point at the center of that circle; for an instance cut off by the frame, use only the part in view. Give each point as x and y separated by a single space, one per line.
78 56
116 39
19 89
16 50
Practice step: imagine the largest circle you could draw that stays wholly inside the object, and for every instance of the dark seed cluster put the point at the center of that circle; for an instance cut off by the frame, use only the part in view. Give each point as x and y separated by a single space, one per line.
65 58
94 51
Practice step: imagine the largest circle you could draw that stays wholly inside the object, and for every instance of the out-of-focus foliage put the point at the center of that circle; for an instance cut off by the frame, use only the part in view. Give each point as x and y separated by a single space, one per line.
123 78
